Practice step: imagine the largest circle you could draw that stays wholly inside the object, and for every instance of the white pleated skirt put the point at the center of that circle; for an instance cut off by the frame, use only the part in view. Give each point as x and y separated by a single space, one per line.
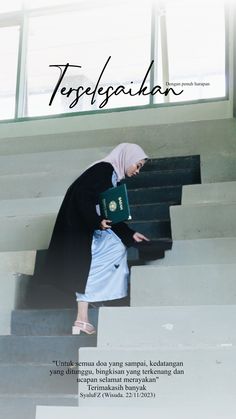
108 275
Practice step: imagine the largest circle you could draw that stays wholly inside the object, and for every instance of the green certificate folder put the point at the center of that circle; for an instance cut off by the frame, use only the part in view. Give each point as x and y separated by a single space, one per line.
114 204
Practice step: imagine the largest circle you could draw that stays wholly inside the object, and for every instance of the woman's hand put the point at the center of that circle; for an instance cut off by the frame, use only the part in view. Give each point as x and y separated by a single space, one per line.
138 237
105 224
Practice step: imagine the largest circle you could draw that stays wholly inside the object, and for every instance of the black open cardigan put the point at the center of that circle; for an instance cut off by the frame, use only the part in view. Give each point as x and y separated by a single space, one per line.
68 258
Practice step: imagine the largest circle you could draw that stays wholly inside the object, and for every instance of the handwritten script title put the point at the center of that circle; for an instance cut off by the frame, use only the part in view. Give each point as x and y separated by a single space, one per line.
105 92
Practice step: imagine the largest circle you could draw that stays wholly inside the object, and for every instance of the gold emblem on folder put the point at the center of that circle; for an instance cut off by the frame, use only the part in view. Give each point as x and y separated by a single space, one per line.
112 206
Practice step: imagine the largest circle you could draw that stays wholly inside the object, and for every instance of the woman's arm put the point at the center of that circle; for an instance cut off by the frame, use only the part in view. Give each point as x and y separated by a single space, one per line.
127 235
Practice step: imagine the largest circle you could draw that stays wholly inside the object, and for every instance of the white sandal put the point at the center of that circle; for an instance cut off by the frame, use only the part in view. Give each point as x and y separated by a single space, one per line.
80 326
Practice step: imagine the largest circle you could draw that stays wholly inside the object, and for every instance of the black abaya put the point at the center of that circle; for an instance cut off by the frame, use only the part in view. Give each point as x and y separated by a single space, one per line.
69 255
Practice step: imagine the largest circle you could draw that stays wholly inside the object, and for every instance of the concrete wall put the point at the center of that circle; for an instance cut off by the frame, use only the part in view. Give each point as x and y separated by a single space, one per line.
160 140
214 140
221 109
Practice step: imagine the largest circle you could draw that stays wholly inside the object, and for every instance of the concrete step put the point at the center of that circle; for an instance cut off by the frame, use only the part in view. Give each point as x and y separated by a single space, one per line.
35 295
219 166
17 262
150 250
33 220
56 299
154 134
26 232
183 285
200 252
144 252
33 232
8 286
215 410
42 349
167 327
152 211
163 178
30 206
209 193
155 194
52 176
35 185
153 229
25 404
36 378
173 163
61 160
51 161
194 374
203 221
46 322
57 137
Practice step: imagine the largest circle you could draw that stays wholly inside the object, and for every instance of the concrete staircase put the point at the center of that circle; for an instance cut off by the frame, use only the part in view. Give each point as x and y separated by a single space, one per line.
151 194
39 337
32 189
40 333
182 306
